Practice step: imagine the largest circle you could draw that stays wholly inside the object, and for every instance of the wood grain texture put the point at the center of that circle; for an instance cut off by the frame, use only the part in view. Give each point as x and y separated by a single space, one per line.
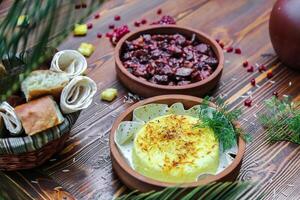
83 168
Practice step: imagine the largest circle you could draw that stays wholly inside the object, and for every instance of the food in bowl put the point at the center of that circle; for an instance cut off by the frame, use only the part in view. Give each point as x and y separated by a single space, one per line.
164 143
169 59
169 148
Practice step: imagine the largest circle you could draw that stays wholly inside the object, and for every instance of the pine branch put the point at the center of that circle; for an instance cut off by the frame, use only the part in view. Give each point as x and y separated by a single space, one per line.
281 120
224 191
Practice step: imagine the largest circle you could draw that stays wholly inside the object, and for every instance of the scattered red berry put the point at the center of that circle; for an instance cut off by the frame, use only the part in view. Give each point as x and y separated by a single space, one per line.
109 35
137 24
248 102
83 5
78 6
143 21
221 45
245 64
165 20
117 17
269 74
119 33
99 35
229 50
111 26
275 94
250 69
159 11
262 68
253 82
97 16
89 25
238 51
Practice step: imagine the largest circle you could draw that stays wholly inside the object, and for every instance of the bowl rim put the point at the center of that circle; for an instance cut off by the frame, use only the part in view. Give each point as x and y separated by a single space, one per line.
118 157
216 48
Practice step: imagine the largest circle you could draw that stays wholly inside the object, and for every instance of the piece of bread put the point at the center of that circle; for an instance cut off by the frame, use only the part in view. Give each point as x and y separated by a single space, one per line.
2 70
39 115
44 82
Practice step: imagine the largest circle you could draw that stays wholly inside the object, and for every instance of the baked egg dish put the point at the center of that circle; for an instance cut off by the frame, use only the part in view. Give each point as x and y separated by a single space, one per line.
164 143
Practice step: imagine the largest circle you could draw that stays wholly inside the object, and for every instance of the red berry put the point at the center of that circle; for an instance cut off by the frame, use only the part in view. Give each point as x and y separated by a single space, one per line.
262 68
97 16
83 5
275 94
109 35
111 26
165 20
217 40
221 45
248 102
229 50
78 6
137 24
143 21
89 25
159 11
253 82
245 64
238 51
118 33
269 74
117 17
99 35
250 69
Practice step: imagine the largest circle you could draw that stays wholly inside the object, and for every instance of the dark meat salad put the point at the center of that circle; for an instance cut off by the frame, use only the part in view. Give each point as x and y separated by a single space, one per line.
169 59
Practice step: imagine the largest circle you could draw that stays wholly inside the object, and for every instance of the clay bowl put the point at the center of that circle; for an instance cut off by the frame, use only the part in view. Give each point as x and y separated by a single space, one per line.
136 181
147 89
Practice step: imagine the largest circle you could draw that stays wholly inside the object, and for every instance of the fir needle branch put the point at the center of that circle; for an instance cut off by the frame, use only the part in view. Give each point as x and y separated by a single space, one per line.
281 120
224 191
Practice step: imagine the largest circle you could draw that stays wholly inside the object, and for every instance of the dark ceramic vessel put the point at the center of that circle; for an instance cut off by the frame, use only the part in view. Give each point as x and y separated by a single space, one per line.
285 31
147 89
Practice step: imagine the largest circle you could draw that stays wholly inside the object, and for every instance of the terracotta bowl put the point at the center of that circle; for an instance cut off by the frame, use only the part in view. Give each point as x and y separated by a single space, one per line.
147 89
137 181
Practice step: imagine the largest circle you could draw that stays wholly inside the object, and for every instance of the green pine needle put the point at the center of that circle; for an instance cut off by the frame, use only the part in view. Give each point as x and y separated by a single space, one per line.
224 191
220 121
281 120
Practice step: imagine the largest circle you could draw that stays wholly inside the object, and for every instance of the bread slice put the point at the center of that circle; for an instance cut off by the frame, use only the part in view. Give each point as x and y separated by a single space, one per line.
39 115
44 82
2 70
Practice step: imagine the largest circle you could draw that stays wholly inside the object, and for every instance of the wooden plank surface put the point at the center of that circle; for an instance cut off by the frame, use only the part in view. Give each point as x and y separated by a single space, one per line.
243 24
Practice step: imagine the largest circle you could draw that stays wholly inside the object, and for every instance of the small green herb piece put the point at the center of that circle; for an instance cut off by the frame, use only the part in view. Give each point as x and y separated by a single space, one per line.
281 120
220 121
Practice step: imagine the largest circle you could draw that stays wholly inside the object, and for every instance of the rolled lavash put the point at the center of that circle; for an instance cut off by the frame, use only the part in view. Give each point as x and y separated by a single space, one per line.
10 119
70 61
78 94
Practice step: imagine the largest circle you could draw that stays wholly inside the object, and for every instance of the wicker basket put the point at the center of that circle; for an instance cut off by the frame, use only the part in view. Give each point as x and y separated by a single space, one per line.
13 159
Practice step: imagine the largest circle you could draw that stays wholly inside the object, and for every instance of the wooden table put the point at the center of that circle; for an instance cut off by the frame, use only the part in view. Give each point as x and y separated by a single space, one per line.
83 169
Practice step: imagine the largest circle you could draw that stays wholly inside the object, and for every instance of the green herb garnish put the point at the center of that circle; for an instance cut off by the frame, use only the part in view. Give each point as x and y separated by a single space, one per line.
221 120
281 120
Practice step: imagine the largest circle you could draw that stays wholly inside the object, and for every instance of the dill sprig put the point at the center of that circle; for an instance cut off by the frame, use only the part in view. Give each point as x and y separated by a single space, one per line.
281 120
221 121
